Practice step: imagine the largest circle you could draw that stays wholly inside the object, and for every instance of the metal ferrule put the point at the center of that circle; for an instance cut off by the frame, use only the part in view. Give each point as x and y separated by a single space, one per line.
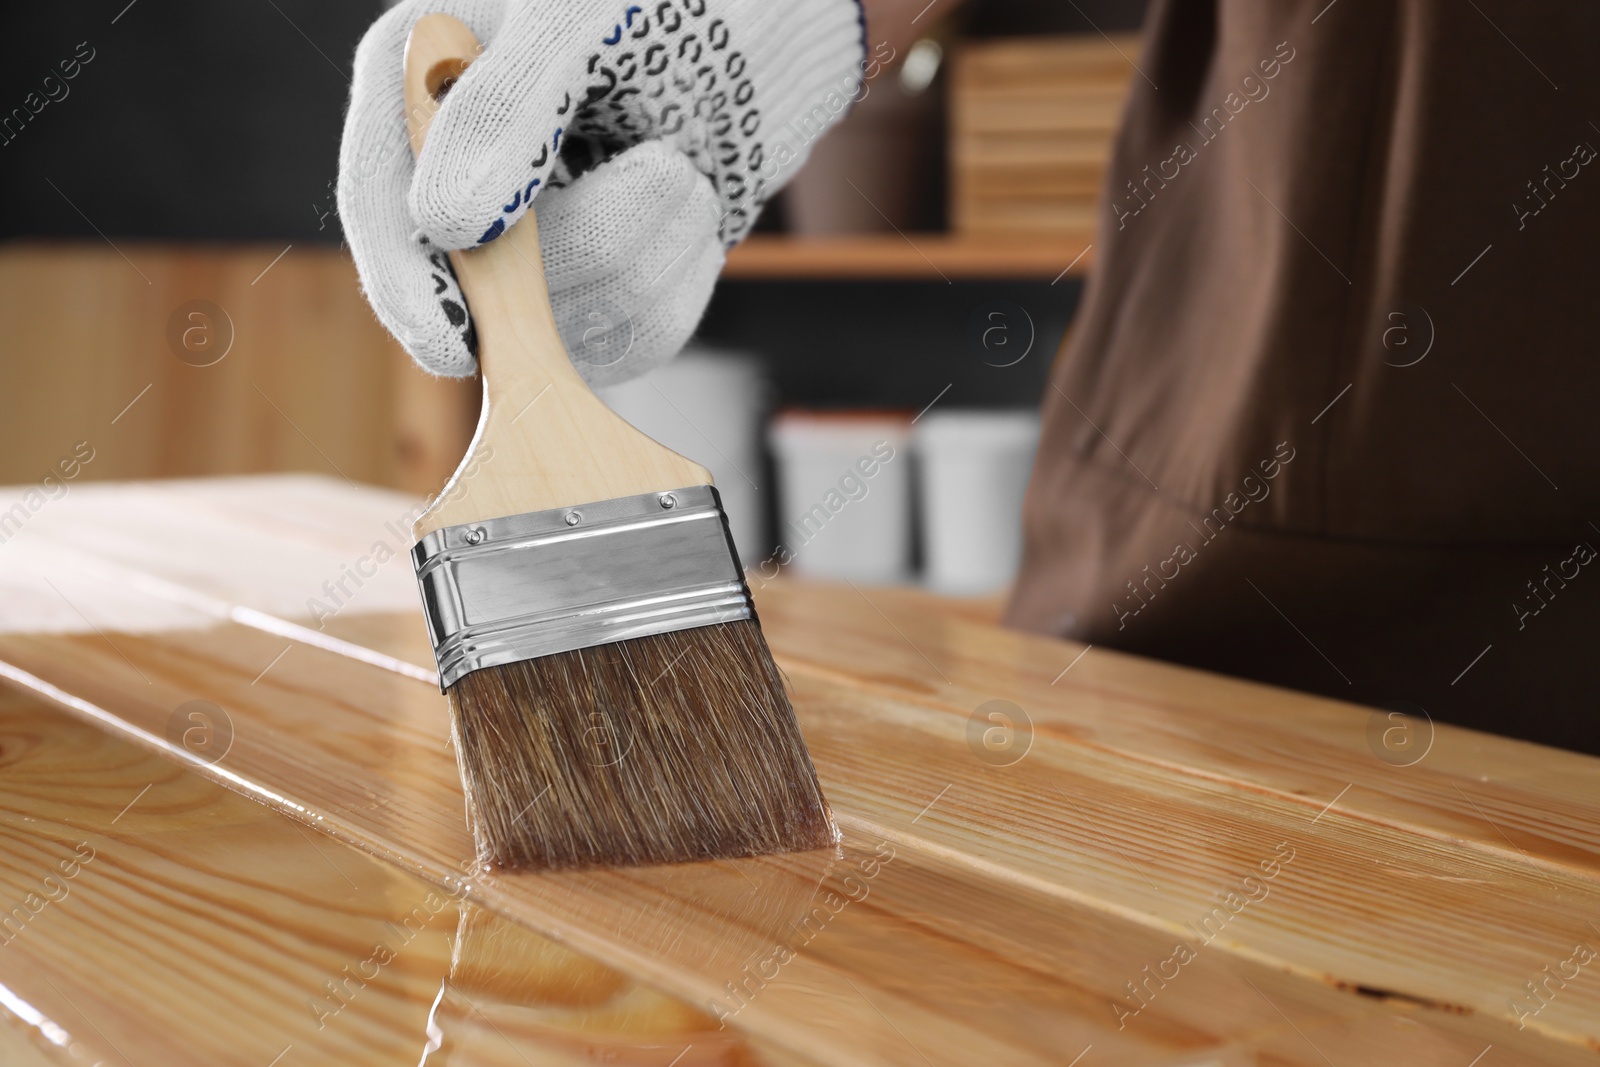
507 590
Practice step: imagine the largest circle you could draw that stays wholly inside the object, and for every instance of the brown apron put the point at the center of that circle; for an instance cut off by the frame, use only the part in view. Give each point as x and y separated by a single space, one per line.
1328 414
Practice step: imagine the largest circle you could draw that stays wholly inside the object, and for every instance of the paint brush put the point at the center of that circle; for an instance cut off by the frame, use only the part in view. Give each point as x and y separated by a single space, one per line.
613 699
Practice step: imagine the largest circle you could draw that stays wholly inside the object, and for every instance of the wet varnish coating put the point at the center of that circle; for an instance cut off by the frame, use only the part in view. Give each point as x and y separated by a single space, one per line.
1332 905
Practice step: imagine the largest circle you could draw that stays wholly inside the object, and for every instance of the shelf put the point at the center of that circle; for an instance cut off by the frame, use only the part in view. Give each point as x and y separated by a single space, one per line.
917 256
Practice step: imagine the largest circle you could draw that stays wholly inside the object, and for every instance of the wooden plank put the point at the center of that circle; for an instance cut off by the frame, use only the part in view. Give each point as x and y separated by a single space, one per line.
305 378
23 1046
1091 109
1019 215
1172 786
1046 60
986 150
1304 749
433 423
918 256
1038 971
290 534
1079 183
1031 130
155 917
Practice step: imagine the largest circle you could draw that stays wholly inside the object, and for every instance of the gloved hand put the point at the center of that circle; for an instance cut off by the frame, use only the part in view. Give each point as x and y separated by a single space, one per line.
650 133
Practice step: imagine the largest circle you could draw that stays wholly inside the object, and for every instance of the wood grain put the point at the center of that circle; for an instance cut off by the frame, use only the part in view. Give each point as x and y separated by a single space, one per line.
918 256
1031 128
976 912
243 936
310 382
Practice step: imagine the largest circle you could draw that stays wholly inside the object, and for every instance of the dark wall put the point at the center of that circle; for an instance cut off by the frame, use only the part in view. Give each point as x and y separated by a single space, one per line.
221 119
190 120
897 344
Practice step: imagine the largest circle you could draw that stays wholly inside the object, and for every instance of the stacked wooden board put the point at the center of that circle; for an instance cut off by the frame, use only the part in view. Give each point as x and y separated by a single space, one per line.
212 359
1013 903
1031 126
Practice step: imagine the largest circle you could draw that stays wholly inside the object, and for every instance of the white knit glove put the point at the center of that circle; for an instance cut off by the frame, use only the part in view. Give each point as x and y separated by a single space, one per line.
651 134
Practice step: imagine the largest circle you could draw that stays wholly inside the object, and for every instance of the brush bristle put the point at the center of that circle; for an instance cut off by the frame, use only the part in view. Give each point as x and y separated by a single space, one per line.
663 749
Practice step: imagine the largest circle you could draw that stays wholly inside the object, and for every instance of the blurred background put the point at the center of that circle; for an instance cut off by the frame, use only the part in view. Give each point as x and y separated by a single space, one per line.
175 294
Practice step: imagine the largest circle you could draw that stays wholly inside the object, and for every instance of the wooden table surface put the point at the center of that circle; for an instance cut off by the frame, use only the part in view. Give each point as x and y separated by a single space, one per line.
231 833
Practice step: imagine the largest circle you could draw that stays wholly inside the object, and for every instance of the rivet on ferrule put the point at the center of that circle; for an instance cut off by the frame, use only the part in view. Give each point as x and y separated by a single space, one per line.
516 588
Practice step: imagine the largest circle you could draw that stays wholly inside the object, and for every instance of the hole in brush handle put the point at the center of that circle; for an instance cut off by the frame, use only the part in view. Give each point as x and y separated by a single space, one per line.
443 75
438 51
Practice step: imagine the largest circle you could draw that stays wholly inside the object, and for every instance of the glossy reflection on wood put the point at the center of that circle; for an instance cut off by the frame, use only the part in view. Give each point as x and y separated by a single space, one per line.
153 916
1181 869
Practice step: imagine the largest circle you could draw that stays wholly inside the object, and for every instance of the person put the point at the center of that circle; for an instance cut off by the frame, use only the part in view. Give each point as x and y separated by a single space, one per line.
1324 417
1320 421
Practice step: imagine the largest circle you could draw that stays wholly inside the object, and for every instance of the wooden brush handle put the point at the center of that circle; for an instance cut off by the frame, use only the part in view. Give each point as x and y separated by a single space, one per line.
544 439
